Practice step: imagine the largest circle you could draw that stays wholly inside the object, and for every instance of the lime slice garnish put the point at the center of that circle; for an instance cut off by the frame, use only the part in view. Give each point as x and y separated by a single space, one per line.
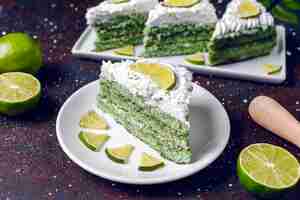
267 170
150 163
93 121
93 141
119 1
160 74
19 53
272 69
180 3
120 154
196 59
19 92
248 9
125 51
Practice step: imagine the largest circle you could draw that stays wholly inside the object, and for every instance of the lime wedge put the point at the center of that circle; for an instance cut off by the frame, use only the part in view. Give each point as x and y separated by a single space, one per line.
120 154
19 53
93 121
119 1
180 3
248 9
125 51
162 75
267 170
196 59
150 163
19 92
93 141
272 69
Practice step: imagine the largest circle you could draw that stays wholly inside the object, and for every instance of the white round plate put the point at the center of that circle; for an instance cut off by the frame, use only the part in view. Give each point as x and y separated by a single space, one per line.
210 130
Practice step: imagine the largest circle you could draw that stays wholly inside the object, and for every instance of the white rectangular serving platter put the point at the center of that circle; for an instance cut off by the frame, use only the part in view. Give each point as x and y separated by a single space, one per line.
251 69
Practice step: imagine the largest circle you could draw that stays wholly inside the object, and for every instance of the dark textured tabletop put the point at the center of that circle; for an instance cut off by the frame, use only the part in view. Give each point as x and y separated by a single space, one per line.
34 167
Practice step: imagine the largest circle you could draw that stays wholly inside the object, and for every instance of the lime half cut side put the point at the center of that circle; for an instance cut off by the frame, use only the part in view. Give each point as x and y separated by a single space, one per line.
267 170
19 92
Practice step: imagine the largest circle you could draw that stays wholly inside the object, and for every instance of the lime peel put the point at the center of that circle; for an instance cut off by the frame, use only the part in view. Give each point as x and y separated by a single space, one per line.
181 3
93 121
150 163
120 154
125 51
272 69
93 141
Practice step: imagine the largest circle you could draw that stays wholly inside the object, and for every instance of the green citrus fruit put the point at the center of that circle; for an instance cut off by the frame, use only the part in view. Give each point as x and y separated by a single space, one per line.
150 163
19 92
93 141
19 53
267 170
120 154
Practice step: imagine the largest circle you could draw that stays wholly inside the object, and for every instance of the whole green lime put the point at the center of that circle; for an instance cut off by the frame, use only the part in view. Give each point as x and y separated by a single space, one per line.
19 53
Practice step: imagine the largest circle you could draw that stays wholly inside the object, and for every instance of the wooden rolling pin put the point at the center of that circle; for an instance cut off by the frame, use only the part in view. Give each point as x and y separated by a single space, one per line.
271 115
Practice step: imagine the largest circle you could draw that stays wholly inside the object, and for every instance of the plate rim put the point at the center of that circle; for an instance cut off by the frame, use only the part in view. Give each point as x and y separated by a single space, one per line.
147 181
205 70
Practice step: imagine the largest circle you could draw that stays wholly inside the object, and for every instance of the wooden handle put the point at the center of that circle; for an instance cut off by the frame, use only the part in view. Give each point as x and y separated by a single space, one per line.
271 115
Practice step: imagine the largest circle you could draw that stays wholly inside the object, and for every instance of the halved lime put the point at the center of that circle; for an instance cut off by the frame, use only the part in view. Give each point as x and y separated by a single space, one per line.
150 163
159 73
19 92
197 59
248 9
19 53
125 51
180 3
120 154
93 141
272 69
93 121
267 170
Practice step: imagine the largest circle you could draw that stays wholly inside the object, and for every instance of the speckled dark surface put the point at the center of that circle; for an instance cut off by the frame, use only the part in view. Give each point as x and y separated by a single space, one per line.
34 167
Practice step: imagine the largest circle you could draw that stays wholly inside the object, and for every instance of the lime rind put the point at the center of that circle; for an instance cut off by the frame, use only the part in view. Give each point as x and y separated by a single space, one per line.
92 120
125 51
93 141
263 188
181 3
120 154
272 69
150 163
119 1
196 59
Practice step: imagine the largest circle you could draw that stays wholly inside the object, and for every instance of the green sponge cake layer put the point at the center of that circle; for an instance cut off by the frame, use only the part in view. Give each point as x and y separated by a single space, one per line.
163 133
157 116
176 39
120 31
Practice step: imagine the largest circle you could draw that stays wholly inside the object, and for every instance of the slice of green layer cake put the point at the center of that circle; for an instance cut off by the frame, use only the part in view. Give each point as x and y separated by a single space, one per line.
246 30
151 101
179 27
119 23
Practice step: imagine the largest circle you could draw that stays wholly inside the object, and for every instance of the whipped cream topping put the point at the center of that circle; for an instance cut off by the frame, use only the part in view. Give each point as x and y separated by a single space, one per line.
231 22
201 13
106 10
174 102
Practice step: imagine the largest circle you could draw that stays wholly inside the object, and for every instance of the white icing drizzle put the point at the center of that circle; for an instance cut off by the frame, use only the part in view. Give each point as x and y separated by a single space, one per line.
231 22
174 102
106 10
202 13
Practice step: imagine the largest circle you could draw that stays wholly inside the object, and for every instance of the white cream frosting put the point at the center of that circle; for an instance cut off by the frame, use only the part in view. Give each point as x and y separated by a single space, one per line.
174 102
202 13
231 22
106 10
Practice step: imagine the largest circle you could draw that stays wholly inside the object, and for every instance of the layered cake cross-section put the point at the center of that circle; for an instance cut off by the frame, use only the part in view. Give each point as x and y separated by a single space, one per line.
246 30
179 27
119 22
151 101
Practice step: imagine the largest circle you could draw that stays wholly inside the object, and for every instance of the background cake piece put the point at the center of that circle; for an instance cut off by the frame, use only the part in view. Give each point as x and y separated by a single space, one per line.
246 30
179 30
158 117
119 23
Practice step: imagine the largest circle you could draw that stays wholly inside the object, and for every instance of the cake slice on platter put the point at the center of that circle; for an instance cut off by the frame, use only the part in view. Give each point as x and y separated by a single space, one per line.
119 23
177 27
151 101
246 30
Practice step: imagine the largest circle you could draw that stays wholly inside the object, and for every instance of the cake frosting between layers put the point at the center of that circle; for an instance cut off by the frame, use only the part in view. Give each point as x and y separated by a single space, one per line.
106 10
231 22
174 102
202 13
